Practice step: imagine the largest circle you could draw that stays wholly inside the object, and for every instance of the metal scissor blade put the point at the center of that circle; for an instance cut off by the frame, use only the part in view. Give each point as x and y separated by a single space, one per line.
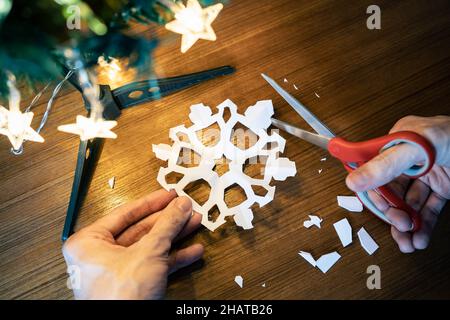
316 139
307 115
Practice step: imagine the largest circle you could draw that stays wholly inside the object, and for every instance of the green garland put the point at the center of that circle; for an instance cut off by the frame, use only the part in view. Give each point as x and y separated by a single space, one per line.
34 34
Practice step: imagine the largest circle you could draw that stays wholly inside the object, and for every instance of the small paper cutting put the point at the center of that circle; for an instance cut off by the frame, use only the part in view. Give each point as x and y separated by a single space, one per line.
344 231
326 261
263 285
295 87
285 80
239 280
367 241
323 159
350 203
320 171
316 95
313 221
308 257
112 182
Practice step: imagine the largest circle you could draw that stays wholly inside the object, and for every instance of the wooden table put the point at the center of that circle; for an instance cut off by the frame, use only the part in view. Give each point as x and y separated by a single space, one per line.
366 81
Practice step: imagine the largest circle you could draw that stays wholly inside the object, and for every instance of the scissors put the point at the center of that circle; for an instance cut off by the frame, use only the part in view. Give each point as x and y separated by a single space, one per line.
354 154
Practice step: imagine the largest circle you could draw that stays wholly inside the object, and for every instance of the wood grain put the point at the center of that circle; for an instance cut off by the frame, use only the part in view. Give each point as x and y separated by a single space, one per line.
366 81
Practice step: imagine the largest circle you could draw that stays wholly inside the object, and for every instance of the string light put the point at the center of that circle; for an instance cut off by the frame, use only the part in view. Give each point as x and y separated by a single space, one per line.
114 72
93 126
89 128
13 123
192 21
109 71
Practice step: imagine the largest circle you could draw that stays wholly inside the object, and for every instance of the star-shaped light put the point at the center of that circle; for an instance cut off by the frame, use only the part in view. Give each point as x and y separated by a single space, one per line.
111 68
89 128
194 22
17 126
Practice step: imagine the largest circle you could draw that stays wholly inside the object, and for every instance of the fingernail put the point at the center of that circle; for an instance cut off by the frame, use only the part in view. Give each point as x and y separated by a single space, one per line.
184 204
388 216
411 227
356 181
383 206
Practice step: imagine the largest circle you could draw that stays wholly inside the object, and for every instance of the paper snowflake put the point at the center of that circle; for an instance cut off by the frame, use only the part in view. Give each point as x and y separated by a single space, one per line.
256 118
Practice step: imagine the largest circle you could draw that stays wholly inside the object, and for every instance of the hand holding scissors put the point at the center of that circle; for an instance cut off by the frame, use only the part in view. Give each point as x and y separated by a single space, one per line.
355 154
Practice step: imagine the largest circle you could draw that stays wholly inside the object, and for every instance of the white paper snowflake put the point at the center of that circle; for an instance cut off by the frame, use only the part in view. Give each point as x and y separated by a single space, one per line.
257 118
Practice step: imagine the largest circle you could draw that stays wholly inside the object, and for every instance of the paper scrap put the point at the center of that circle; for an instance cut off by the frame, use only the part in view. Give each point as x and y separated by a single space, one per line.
344 231
316 95
263 285
350 203
308 257
239 280
257 119
295 87
320 171
313 221
323 159
326 261
367 241
285 80
112 182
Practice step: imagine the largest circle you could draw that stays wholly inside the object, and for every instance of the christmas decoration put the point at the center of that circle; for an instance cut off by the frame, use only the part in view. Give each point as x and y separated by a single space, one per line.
88 41
257 119
94 126
114 72
38 36
13 123
88 128
112 68
34 34
193 22
113 102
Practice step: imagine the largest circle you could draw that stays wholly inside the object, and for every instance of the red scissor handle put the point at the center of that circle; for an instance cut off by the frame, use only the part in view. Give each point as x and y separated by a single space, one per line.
361 152
354 154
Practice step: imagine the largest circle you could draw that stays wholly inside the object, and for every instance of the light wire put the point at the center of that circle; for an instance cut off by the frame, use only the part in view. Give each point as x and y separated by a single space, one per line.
44 119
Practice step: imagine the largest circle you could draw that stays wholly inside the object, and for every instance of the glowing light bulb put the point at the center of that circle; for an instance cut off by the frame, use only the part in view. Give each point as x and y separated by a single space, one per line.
17 127
13 123
114 72
89 128
93 126
111 69
189 17
194 22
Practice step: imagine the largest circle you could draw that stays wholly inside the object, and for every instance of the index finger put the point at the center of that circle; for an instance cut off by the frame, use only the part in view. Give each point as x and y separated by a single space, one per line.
384 168
171 221
125 215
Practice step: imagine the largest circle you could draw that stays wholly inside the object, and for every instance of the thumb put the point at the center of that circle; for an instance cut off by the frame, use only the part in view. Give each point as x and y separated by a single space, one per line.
384 168
169 224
